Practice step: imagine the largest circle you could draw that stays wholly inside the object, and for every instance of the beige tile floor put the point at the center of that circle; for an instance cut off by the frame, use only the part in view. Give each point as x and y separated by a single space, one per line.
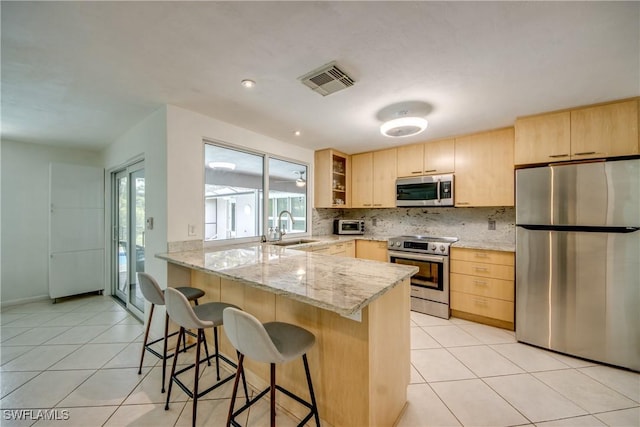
80 358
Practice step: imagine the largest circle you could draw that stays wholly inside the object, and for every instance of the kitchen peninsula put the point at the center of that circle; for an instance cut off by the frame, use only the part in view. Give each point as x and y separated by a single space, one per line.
357 309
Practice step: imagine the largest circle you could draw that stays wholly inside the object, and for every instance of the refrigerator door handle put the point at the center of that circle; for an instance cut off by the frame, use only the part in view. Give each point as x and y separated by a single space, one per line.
579 228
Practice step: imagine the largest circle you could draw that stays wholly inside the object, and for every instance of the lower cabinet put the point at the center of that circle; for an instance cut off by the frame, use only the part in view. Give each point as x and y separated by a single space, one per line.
482 284
347 249
374 250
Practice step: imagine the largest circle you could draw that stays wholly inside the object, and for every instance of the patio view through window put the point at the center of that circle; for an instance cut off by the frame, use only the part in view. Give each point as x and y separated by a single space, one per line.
235 184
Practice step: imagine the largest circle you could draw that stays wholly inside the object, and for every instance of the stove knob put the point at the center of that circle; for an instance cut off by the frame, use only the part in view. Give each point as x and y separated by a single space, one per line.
398 244
442 248
433 247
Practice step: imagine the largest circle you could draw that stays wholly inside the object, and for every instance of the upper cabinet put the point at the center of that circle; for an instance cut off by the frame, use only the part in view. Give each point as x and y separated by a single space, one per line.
600 131
484 169
605 131
429 158
543 138
374 179
332 179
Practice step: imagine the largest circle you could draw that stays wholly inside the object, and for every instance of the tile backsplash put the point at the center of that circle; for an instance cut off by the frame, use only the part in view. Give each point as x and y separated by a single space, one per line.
464 223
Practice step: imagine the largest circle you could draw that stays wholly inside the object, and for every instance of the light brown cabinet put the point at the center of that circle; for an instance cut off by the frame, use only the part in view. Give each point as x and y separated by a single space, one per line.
599 131
484 169
332 179
482 286
429 158
346 249
605 131
373 179
544 138
374 250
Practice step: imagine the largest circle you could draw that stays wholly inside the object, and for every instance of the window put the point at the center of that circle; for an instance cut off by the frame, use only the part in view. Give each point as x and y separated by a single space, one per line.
235 184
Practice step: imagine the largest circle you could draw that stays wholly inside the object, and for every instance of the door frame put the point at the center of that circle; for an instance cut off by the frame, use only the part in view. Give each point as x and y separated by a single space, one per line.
134 164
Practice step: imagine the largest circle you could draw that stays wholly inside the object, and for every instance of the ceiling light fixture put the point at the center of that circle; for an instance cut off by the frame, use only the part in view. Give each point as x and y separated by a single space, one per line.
300 182
297 133
248 83
403 126
222 165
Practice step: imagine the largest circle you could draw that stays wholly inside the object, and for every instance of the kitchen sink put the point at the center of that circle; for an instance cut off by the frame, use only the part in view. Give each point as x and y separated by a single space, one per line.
293 242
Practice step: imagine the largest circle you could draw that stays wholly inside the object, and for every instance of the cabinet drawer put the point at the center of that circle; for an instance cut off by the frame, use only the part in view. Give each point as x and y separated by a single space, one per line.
343 249
483 286
481 255
504 272
482 306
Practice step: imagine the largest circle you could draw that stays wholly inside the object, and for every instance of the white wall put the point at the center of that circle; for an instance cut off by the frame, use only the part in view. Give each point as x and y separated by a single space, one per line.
25 216
145 140
186 131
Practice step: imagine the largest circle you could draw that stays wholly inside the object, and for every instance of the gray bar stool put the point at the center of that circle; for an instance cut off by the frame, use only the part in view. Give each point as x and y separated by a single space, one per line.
203 316
272 342
152 293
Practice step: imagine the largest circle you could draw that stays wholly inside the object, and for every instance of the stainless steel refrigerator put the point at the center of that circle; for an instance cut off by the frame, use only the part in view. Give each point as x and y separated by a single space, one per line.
578 260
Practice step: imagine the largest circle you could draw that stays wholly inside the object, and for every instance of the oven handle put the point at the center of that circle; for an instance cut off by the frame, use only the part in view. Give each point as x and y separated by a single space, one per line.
416 257
438 190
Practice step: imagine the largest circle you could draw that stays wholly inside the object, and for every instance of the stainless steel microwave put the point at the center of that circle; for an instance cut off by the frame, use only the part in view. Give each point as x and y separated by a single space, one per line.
348 226
431 190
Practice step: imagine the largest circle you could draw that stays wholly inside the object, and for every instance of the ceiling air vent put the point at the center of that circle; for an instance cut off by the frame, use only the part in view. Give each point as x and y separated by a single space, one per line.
327 79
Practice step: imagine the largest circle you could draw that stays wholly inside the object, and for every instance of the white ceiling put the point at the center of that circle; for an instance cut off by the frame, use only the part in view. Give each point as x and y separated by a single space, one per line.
79 74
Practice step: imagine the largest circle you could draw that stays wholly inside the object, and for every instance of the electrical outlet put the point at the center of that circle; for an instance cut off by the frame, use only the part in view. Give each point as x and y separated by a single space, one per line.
492 224
191 230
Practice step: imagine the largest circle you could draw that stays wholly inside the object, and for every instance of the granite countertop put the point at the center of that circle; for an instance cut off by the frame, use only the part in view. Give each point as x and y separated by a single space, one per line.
462 243
491 246
340 284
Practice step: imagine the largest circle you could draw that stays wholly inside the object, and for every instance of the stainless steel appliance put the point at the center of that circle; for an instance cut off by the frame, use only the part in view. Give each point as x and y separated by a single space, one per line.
578 260
348 226
432 190
430 285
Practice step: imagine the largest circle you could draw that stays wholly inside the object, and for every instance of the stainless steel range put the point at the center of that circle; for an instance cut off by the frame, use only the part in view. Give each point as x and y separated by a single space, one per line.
430 285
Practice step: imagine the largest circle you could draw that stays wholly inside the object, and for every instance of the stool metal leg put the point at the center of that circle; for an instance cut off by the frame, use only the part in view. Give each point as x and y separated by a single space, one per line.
313 396
239 372
146 338
273 395
173 368
215 343
195 379
164 350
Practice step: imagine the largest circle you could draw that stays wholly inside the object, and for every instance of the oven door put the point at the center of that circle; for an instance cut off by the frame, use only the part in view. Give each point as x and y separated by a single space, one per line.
432 279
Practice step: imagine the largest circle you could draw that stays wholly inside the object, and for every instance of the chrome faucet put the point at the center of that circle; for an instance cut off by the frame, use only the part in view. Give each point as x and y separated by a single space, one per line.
279 231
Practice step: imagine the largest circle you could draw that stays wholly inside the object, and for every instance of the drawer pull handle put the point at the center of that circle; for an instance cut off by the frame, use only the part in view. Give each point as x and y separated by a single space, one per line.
430 170
481 255
480 301
416 171
585 153
557 156
483 269
480 282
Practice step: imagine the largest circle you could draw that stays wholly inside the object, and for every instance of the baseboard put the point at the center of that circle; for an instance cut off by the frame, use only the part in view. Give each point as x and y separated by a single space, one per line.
10 303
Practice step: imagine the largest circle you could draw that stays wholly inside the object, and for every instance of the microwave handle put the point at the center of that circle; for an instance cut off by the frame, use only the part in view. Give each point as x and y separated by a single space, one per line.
438 190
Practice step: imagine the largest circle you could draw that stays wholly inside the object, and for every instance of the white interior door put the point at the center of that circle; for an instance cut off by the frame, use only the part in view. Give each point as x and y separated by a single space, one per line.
76 230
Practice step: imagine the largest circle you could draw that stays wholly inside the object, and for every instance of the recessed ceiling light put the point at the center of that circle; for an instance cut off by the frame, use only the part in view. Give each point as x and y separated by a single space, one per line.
297 133
248 83
222 165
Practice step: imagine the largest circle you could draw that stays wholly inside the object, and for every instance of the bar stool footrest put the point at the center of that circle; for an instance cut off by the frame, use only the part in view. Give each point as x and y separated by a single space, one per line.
148 345
265 391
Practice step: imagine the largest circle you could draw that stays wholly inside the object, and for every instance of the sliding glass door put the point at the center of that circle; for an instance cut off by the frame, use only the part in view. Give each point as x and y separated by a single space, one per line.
128 235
